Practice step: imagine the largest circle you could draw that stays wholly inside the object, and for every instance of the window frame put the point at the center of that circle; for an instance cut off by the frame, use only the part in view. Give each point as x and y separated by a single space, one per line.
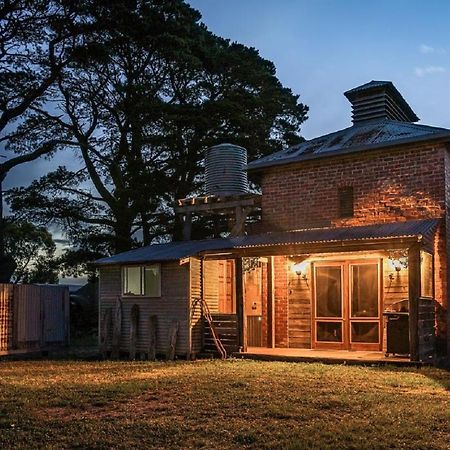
142 268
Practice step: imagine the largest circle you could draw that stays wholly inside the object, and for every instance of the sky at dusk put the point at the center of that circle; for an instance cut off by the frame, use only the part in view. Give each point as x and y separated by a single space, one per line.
321 48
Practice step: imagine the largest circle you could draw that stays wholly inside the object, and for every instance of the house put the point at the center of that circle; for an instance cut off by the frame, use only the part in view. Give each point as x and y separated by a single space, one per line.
351 254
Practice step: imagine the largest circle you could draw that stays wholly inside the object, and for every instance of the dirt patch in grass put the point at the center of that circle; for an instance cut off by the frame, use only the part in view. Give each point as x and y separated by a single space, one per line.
215 404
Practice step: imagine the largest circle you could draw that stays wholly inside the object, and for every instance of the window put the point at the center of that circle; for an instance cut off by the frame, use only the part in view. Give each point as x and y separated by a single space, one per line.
345 202
142 280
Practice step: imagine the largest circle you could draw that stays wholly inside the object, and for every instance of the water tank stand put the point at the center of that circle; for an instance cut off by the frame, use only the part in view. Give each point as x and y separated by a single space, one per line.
237 206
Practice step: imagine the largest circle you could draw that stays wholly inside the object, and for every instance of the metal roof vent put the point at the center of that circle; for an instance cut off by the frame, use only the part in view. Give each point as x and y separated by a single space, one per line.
379 100
225 166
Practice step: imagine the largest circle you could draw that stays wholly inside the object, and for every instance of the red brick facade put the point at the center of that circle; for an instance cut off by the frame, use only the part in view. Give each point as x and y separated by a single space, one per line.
281 301
388 185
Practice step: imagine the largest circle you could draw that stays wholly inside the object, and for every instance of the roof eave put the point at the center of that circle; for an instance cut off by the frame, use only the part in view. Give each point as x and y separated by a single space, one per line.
332 245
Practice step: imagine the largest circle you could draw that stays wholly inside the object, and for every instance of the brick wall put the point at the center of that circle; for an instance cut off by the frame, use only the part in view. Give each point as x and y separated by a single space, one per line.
445 247
280 266
403 184
388 186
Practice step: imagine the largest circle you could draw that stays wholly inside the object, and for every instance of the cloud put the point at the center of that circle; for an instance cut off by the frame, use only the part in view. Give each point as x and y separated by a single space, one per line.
427 49
429 70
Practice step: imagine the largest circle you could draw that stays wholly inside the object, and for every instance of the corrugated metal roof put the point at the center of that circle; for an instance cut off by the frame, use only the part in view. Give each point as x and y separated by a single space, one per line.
370 85
362 136
165 252
178 250
408 229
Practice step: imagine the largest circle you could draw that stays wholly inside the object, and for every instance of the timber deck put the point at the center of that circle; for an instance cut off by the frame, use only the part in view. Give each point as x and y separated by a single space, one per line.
324 356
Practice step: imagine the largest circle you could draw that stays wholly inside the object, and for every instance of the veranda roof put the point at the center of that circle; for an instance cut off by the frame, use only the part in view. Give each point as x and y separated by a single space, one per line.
177 250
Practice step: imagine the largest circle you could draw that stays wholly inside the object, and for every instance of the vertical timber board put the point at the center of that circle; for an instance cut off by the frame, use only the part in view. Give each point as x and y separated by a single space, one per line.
29 316
414 294
117 329
134 326
152 324
240 307
42 303
66 307
6 317
195 309
5 314
55 314
210 285
173 335
105 328
14 321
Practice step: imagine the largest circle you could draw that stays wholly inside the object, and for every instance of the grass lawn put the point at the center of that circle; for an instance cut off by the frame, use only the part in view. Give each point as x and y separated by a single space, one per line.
214 404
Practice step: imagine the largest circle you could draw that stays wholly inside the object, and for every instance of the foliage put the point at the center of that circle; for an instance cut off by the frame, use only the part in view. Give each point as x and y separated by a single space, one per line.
38 38
33 250
222 404
139 108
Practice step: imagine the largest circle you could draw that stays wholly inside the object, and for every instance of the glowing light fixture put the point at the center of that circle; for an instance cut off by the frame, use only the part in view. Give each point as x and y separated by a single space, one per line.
300 269
398 261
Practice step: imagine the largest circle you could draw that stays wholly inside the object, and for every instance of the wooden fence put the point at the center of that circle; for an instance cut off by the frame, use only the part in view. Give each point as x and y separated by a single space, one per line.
33 317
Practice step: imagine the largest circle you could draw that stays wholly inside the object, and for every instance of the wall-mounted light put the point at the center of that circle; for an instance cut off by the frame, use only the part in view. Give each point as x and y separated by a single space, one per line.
398 260
301 269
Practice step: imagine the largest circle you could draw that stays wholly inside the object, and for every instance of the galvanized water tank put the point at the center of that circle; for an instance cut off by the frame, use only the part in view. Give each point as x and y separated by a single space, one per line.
225 170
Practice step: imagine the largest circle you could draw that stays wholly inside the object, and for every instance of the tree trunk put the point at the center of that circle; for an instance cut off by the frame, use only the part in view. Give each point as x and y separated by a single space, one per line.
122 234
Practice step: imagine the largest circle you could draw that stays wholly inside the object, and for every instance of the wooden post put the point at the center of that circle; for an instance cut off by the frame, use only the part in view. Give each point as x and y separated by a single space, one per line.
134 326
152 320
173 335
105 325
240 216
270 305
413 295
240 307
117 329
187 226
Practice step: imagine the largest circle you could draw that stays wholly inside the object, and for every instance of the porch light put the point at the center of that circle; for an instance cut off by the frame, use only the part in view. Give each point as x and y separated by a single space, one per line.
398 261
300 269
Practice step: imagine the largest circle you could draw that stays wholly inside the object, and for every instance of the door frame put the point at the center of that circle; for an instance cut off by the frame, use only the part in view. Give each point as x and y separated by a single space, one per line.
346 318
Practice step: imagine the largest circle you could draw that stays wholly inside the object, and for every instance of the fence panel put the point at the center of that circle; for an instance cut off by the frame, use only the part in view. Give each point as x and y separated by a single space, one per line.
33 316
28 316
54 305
6 317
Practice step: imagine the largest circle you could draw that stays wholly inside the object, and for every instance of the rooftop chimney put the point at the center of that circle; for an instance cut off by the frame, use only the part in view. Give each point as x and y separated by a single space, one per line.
379 100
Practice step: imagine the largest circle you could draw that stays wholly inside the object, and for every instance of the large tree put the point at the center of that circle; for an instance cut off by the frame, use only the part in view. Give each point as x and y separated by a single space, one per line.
139 108
37 40
34 253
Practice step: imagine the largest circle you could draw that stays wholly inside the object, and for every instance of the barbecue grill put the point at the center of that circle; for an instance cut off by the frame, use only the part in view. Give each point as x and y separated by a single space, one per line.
397 329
